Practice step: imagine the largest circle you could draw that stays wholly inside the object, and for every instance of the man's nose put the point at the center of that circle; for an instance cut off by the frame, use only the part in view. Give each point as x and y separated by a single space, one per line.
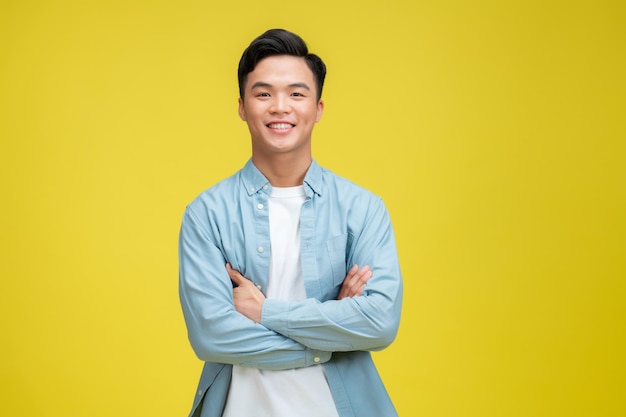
280 104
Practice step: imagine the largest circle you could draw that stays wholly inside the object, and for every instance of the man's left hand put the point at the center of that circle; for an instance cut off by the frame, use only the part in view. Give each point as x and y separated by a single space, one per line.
247 297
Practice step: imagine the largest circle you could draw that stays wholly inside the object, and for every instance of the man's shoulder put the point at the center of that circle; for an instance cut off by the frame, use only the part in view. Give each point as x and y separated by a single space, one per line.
218 191
341 185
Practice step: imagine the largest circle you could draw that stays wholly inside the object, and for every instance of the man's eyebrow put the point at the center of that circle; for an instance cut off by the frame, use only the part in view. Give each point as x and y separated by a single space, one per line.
262 84
299 85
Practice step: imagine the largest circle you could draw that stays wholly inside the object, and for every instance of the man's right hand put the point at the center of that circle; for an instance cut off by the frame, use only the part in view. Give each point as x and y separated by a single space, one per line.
354 282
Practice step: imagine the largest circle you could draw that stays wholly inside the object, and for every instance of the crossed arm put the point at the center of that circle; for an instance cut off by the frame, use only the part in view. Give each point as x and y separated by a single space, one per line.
249 299
240 326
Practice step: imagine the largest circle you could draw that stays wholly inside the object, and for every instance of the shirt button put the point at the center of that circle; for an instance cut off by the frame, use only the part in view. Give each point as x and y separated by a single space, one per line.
251 189
259 287
265 187
316 359
259 206
260 249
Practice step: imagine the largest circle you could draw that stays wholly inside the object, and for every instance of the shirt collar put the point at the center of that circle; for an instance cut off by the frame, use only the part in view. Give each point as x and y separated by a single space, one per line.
255 181
313 178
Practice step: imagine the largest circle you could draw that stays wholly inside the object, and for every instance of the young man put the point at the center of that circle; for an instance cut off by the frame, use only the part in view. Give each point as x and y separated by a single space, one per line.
273 296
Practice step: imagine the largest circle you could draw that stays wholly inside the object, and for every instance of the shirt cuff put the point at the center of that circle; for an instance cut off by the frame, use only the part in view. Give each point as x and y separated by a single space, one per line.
275 316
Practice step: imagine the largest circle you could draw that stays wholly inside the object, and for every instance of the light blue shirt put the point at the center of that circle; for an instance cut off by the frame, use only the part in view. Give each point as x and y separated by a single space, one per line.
341 224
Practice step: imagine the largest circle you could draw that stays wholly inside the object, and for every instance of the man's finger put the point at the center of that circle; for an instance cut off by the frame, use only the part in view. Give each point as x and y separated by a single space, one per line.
351 275
354 283
352 270
235 276
359 280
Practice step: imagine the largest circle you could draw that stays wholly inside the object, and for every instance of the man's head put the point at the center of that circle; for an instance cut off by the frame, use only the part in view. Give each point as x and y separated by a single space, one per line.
279 42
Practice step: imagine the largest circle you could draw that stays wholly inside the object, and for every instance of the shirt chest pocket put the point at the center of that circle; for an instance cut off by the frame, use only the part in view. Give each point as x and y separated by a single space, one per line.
338 249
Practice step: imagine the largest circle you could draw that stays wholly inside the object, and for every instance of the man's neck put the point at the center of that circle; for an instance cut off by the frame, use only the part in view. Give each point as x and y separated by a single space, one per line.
283 170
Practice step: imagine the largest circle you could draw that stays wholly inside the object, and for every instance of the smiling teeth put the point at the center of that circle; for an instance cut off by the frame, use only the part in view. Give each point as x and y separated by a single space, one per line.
279 126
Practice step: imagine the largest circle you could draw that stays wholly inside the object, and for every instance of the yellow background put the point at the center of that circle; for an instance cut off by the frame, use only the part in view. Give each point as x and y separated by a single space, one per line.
494 130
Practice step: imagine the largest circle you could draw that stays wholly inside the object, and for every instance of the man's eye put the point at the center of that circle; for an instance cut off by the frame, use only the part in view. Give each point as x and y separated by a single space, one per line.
297 94
263 95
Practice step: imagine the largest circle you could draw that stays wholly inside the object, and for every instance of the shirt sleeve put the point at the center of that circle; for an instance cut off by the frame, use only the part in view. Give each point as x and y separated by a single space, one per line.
217 332
366 322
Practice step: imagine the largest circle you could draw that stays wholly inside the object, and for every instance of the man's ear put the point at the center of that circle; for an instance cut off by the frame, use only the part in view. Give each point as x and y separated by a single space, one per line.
241 110
320 110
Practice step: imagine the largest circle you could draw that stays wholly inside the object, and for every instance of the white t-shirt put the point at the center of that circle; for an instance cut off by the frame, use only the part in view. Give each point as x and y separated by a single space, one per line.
301 392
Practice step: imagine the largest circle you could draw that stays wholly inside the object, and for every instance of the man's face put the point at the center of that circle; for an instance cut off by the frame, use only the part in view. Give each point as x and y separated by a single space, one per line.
280 106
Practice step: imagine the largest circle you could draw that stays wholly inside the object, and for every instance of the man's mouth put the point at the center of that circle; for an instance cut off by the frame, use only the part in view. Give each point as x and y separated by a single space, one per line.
280 126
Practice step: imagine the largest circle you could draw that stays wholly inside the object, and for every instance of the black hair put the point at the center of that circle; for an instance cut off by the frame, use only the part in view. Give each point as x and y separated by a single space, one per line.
279 42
